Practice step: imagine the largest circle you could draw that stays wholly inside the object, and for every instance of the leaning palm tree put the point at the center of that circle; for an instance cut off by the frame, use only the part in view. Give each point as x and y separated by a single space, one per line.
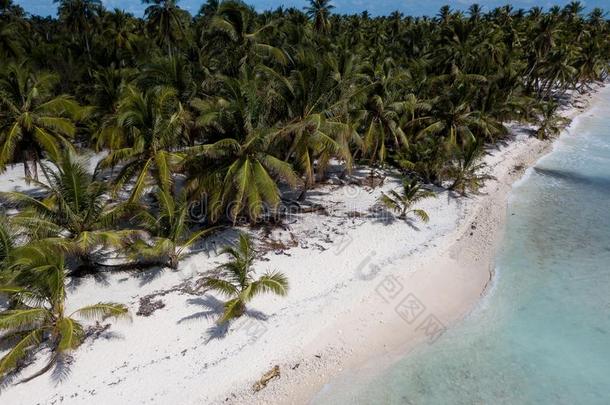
465 170
412 192
171 237
38 315
33 121
74 213
236 281
551 123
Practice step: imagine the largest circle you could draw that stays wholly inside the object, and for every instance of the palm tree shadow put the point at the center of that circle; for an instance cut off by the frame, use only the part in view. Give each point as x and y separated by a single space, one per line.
382 215
412 223
100 278
149 275
62 369
8 380
214 308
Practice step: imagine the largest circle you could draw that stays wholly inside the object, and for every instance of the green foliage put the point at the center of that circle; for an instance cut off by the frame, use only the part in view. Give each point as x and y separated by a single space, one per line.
237 106
170 235
550 123
403 202
73 213
465 172
37 316
236 281
33 121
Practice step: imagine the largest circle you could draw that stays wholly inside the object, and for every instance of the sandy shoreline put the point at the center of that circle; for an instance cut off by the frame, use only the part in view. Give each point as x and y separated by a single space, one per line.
348 273
448 279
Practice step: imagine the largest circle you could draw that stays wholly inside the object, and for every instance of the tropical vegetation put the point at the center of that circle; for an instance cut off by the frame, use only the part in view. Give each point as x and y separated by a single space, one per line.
236 280
234 107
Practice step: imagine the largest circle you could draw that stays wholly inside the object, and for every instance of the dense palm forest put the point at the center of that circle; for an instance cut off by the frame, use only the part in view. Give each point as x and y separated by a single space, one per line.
232 106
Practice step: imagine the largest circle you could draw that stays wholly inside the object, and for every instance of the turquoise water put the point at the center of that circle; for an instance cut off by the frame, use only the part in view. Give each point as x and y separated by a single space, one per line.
542 335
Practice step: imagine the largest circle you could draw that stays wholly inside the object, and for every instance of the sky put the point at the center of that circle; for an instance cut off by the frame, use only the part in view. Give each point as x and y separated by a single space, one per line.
374 7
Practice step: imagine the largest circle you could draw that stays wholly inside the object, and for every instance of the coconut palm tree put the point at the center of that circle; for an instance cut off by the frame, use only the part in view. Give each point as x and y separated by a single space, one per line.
147 128
166 21
10 42
38 315
33 121
170 235
412 192
240 179
118 35
239 173
236 281
315 132
465 171
319 11
236 22
74 213
80 17
551 123
8 242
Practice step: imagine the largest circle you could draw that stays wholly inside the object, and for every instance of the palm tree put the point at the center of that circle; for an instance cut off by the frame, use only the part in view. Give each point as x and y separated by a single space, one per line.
147 128
550 122
475 11
235 21
33 121
171 72
235 280
380 120
80 16
412 192
315 131
239 173
74 213
38 314
8 242
319 11
171 237
239 179
166 21
118 35
465 170
10 42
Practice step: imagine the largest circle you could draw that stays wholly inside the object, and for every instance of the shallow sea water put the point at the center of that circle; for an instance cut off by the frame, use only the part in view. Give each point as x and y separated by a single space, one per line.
542 335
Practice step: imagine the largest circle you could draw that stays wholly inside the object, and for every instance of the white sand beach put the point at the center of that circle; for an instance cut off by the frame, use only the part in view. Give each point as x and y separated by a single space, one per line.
349 268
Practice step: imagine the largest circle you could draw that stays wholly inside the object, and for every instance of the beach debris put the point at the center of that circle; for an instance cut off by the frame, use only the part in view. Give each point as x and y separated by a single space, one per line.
315 208
96 330
148 306
356 214
268 376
